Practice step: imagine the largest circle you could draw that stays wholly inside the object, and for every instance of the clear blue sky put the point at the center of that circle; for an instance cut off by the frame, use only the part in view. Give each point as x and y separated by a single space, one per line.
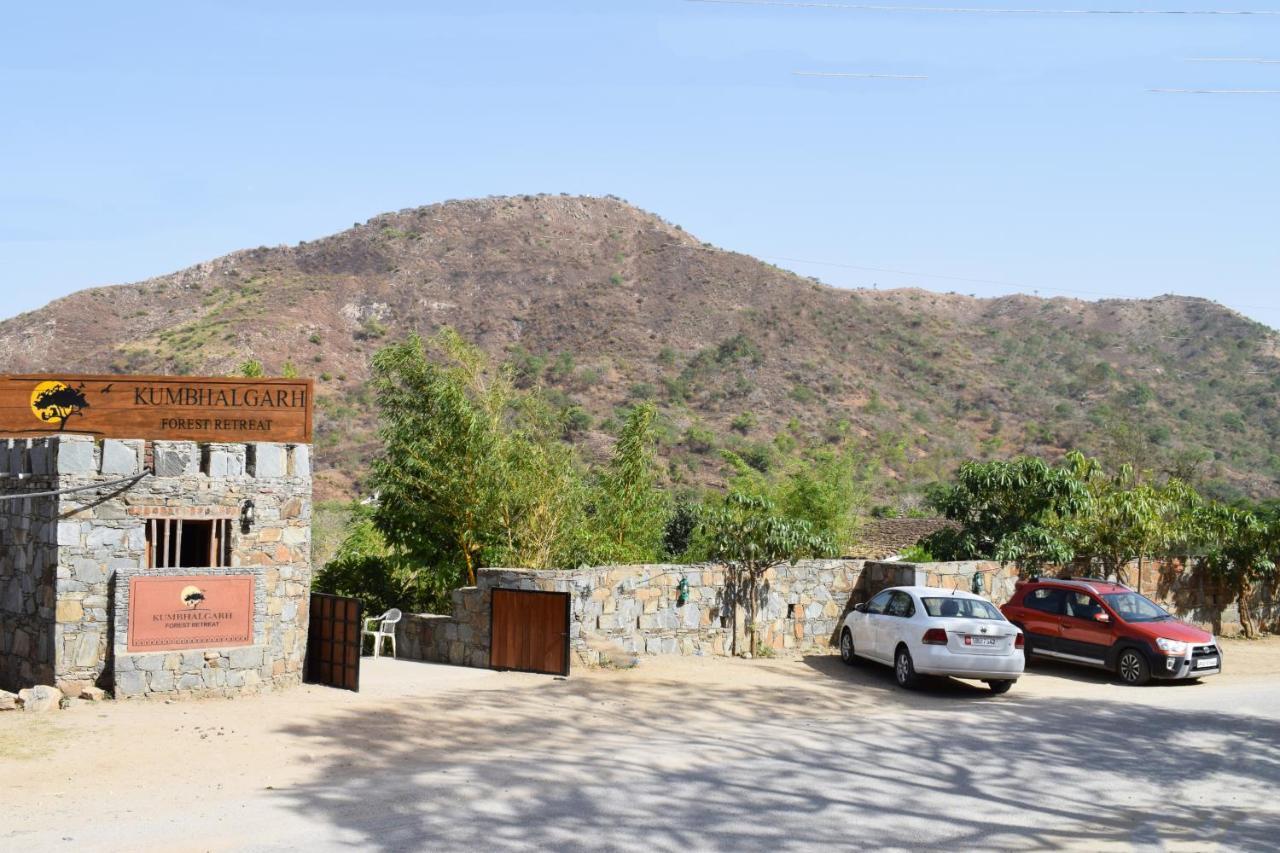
138 138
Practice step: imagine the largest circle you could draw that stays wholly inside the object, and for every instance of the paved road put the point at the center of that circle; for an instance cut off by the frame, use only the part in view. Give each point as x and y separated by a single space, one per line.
699 755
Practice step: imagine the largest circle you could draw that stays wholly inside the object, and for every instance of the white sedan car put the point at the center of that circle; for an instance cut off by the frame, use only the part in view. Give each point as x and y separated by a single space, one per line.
921 630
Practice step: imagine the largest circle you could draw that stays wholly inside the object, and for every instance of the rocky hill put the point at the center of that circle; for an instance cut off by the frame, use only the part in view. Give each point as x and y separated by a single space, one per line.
603 304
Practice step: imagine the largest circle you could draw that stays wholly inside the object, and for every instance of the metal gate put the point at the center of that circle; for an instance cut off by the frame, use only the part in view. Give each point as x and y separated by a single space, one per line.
333 642
529 631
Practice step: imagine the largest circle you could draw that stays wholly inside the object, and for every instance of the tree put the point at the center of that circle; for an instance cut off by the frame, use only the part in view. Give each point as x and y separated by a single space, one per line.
1011 511
1240 548
364 567
747 535
630 509
466 477
1129 519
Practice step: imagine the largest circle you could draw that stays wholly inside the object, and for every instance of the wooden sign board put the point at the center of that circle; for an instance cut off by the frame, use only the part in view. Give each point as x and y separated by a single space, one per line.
191 612
158 407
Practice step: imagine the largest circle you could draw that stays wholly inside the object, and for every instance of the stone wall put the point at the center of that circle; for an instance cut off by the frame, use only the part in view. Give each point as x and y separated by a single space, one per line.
101 540
997 580
623 611
28 563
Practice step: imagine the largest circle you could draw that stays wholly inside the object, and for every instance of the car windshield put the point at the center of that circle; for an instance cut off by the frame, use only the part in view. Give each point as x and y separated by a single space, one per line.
969 608
1132 607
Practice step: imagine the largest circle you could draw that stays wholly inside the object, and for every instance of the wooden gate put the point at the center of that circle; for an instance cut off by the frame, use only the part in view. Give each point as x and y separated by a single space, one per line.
333 642
529 631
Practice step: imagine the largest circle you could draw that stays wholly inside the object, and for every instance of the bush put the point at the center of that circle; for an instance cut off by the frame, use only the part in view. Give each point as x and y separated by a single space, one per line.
577 420
744 422
699 440
802 394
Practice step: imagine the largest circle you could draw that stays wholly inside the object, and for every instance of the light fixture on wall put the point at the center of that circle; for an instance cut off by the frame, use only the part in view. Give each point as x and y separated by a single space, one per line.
246 516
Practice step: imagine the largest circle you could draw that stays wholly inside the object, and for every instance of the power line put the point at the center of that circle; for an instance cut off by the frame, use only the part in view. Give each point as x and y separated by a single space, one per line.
860 76
867 7
1235 59
1215 91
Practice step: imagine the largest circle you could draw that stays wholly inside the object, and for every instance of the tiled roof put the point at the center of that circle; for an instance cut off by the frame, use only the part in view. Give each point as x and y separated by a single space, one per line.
879 538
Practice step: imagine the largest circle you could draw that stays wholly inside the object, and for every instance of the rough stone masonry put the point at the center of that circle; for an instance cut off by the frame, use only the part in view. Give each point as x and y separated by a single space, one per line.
66 560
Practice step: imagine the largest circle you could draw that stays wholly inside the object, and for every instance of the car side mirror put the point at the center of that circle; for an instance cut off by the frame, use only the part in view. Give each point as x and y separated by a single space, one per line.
861 608
1101 616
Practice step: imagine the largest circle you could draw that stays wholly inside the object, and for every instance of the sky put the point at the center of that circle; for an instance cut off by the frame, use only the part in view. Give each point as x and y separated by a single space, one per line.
999 153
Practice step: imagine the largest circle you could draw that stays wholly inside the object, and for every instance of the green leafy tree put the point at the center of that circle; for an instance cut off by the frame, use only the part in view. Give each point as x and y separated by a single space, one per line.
749 536
1128 519
1012 511
1240 548
364 567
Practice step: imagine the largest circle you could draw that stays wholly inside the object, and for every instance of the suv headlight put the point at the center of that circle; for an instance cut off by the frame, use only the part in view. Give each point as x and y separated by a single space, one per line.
1172 647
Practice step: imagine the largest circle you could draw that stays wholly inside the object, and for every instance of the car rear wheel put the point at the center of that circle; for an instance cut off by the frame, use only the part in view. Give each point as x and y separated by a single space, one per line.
904 669
1132 667
846 647
998 687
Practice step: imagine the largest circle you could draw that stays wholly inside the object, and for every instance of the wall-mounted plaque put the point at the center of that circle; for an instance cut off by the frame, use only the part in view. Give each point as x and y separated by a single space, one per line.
158 407
189 612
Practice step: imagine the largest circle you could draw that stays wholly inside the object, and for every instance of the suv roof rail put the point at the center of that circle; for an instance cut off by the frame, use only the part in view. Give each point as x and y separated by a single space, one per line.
1099 580
1076 582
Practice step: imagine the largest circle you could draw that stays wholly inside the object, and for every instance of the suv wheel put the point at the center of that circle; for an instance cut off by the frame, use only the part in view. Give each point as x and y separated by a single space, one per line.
1132 667
904 669
846 648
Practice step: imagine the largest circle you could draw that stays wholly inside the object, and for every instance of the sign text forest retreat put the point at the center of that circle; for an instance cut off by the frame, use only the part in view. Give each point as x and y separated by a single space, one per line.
158 407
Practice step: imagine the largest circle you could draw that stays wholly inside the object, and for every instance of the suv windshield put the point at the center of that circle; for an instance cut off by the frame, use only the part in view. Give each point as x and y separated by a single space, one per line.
969 608
1132 607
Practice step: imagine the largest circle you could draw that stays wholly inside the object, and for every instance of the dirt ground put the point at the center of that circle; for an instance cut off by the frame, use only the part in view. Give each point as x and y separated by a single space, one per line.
376 769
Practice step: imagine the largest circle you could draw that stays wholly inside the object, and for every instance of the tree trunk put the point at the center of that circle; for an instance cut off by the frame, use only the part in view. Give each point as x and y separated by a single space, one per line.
1243 594
471 569
751 611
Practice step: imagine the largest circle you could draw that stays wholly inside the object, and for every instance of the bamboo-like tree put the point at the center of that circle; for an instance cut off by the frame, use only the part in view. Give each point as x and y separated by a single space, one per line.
630 510
465 478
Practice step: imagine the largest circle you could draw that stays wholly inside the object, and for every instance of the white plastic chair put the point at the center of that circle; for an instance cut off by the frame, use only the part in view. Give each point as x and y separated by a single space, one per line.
386 629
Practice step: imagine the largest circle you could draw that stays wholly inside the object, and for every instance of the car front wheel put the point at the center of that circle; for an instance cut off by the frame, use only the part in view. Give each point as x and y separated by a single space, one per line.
1133 668
904 669
846 647
998 687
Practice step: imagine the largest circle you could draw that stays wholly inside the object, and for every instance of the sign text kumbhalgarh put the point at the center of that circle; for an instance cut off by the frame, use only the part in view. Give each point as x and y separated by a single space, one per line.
158 407
168 613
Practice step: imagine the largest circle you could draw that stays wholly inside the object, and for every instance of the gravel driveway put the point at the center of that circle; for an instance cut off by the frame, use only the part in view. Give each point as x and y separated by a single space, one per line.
677 754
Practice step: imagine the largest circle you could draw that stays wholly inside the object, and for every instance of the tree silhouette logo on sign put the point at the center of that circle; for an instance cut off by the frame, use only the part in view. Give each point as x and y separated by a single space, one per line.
192 596
57 402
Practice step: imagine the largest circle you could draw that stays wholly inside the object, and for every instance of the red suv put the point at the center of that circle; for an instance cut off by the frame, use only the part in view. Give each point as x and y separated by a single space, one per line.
1104 624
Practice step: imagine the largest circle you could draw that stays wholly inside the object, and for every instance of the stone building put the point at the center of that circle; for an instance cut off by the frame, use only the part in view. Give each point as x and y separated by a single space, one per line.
198 517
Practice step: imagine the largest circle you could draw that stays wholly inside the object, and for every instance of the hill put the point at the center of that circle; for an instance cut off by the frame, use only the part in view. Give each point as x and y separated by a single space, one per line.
603 303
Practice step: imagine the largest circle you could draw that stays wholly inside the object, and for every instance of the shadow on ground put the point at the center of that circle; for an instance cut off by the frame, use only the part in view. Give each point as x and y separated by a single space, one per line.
823 756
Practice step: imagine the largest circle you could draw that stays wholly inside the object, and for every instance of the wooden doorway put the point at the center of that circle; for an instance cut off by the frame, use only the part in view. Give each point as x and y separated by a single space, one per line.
333 642
529 631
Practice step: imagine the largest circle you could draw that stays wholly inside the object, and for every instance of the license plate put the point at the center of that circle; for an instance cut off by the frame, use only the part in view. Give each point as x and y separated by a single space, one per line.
1206 663
981 641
